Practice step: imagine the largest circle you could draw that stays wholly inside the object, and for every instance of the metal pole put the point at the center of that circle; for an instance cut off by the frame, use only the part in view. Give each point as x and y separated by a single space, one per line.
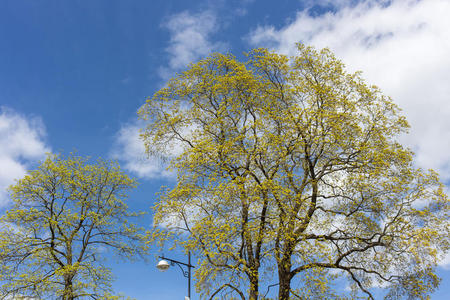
189 275
185 274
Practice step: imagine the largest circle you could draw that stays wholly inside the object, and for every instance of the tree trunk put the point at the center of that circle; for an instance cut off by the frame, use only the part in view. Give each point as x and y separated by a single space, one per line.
68 288
254 286
284 289
284 277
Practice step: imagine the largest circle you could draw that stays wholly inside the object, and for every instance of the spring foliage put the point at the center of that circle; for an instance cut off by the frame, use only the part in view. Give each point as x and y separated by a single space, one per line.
290 169
66 215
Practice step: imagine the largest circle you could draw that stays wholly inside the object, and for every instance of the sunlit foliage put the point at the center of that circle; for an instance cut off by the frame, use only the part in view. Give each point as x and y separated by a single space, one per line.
290 168
66 215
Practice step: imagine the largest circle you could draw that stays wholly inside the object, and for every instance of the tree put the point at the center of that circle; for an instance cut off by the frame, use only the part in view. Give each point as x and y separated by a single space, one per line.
290 168
66 215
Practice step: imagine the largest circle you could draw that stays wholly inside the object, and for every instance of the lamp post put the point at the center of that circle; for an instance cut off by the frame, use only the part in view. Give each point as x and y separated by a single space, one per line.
163 265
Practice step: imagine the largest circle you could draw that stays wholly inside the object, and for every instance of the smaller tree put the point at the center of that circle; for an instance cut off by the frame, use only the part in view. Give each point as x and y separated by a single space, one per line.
66 214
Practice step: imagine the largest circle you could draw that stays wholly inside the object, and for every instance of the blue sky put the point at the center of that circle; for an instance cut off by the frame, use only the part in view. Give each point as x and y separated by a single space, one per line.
73 74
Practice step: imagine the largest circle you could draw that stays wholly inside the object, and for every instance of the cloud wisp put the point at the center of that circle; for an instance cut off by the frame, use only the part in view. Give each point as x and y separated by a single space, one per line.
129 150
190 39
23 143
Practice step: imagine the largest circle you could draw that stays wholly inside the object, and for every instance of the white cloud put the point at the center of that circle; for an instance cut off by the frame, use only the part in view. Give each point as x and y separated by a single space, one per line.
130 151
22 143
402 46
190 39
445 261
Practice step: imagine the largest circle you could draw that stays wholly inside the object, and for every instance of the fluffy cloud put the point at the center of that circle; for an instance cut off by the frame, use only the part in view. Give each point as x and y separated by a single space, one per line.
130 151
445 262
402 46
22 139
190 39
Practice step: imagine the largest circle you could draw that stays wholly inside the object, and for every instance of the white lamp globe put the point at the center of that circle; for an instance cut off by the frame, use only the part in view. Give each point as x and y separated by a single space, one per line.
163 265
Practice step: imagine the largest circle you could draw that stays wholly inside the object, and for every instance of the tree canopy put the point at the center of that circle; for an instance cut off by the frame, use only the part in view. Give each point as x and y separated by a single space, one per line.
66 215
290 168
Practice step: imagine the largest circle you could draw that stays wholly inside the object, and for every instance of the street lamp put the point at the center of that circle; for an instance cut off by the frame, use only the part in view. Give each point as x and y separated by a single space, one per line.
163 265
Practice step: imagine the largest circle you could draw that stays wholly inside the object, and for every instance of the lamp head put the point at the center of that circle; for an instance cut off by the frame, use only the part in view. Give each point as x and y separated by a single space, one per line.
163 265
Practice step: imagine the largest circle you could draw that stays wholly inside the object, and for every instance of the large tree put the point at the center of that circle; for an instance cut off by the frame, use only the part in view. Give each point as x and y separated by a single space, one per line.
290 168
66 216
